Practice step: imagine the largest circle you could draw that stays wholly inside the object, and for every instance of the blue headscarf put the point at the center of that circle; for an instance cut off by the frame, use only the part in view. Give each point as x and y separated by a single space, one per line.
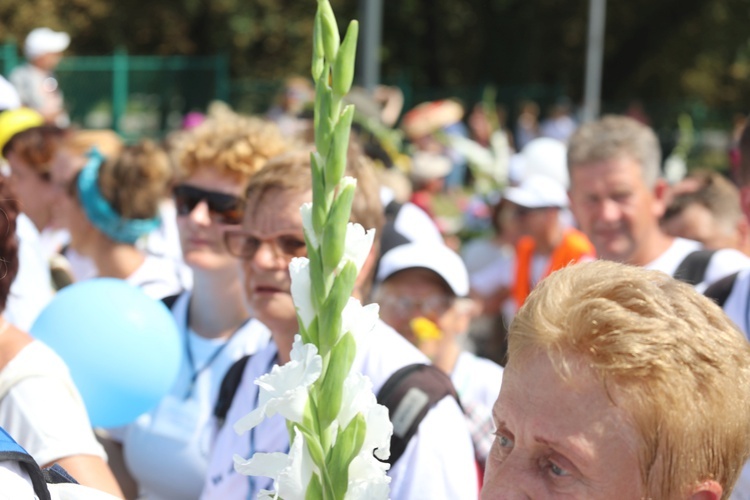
100 212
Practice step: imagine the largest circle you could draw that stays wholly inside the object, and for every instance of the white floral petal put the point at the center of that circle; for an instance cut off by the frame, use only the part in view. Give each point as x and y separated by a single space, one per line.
357 245
293 481
306 212
267 495
299 270
379 432
262 464
367 479
250 420
291 406
357 397
358 319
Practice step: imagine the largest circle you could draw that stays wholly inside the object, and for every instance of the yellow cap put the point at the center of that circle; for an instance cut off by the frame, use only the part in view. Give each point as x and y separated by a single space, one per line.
14 121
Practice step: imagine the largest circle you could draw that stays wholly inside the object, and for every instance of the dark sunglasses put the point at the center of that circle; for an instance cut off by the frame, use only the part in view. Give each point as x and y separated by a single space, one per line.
245 245
226 208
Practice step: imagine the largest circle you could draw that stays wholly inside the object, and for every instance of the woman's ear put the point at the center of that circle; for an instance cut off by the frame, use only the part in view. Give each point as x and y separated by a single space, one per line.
707 490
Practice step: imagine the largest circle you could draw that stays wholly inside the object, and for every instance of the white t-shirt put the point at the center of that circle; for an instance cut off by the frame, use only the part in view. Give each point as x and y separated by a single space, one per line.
438 462
166 450
723 262
31 291
158 277
42 409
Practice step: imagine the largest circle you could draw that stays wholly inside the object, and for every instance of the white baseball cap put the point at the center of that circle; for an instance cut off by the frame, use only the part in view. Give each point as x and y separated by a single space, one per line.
437 258
45 41
538 191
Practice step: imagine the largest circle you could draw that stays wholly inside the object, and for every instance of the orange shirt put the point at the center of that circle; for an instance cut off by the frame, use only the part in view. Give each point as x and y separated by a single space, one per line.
573 247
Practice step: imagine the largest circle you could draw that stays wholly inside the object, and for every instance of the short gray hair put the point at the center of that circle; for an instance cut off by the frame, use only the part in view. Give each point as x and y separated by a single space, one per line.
613 137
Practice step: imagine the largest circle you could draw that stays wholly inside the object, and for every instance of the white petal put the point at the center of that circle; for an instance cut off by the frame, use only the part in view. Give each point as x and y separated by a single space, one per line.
299 270
267 495
367 479
357 245
250 420
357 397
306 212
291 406
293 481
262 464
358 319
379 431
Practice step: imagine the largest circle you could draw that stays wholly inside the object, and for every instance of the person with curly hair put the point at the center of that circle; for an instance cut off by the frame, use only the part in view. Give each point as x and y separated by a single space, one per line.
164 453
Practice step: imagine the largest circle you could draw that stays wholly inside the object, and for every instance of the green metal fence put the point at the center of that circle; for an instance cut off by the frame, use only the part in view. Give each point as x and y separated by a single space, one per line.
135 95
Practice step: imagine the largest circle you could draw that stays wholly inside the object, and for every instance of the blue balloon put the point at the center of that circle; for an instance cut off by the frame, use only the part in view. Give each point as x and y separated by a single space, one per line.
122 347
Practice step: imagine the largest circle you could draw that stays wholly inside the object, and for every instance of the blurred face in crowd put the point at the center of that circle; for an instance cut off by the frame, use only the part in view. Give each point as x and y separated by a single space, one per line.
71 214
696 222
273 235
616 209
417 292
208 204
35 193
560 438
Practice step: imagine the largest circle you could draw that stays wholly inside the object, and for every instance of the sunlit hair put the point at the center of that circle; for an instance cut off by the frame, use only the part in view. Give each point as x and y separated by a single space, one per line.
136 182
36 147
663 352
615 137
232 145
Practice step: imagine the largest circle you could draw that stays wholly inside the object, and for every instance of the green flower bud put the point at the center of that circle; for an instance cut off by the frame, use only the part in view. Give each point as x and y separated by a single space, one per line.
324 126
320 204
336 159
318 55
343 67
348 444
329 319
334 232
331 37
332 389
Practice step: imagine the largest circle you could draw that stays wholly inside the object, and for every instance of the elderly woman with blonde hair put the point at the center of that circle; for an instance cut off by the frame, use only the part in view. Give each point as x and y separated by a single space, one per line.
621 383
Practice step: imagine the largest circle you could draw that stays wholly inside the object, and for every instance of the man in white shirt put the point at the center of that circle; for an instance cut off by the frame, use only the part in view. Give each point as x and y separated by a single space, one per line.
438 462
618 198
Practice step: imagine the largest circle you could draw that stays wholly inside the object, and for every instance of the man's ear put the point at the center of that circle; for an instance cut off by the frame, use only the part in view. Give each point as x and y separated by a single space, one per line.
707 490
662 197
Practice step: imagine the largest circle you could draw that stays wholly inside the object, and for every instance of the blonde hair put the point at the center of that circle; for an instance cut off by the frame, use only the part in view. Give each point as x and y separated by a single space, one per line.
136 181
662 351
614 137
233 145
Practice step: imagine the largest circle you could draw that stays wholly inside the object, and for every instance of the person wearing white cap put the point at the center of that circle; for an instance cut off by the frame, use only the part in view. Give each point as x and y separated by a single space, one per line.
422 294
35 81
546 243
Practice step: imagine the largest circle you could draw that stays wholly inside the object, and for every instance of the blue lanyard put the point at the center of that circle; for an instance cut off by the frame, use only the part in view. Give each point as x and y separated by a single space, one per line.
195 373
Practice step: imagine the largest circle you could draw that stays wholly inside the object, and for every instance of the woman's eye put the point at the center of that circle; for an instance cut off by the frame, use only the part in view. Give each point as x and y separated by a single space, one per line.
505 441
557 470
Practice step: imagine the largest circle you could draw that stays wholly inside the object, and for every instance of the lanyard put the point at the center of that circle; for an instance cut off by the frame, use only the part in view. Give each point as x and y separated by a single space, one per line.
195 373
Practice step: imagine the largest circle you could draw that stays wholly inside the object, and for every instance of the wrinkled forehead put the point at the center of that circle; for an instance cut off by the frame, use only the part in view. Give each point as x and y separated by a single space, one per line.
275 210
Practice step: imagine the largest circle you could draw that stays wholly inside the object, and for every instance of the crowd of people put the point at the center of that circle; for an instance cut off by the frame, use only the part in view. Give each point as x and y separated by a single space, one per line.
582 345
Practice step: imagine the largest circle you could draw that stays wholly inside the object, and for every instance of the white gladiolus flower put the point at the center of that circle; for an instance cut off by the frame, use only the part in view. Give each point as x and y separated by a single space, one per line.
357 246
367 479
291 473
285 389
299 269
359 398
358 319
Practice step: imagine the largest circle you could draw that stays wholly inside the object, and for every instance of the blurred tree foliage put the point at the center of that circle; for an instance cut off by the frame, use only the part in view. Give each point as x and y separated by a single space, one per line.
655 50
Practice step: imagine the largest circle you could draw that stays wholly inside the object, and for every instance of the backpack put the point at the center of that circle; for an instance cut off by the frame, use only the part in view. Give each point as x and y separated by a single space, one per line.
409 393
692 269
40 478
720 290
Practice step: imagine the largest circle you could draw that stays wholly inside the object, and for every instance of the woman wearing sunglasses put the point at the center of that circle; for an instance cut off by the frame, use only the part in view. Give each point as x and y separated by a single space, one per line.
166 451
111 204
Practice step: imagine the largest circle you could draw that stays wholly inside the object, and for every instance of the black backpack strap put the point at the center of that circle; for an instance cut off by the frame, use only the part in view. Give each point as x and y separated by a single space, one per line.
229 385
12 451
169 301
720 290
693 267
409 394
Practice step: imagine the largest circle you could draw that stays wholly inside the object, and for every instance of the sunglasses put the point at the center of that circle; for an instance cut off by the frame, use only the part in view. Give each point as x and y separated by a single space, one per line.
225 208
245 245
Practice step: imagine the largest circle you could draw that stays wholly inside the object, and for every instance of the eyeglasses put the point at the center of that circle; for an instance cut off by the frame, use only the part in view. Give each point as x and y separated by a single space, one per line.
432 306
227 209
245 245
